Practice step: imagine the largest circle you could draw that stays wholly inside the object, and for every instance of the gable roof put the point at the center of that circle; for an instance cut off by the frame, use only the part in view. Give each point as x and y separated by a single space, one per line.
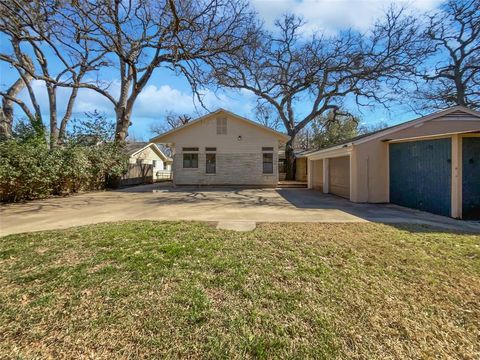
133 148
216 112
453 112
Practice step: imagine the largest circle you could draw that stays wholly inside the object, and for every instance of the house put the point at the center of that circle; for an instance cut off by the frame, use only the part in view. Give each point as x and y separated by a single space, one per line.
431 163
222 148
149 153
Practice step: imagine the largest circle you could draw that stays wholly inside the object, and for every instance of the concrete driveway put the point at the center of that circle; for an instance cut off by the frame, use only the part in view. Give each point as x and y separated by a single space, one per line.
234 208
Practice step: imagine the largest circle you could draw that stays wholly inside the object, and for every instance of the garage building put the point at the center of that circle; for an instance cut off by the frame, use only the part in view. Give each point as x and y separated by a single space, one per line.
431 163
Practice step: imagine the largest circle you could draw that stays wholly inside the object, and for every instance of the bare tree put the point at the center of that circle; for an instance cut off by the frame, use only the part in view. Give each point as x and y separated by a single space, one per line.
285 68
33 28
172 121
140 36
266 115
451 72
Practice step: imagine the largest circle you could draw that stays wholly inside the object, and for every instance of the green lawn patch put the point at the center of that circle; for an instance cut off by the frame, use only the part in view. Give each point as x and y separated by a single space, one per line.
186 290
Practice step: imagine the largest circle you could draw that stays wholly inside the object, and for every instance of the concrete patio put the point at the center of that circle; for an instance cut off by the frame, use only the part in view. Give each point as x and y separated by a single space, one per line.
233 207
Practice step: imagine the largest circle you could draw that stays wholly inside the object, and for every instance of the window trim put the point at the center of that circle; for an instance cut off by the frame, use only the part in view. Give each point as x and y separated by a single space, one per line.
190 149
270 162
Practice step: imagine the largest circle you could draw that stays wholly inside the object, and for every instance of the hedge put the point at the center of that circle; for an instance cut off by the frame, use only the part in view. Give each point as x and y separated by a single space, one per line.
30 170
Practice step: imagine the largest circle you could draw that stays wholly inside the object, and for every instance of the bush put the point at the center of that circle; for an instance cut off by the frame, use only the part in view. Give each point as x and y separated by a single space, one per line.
29 170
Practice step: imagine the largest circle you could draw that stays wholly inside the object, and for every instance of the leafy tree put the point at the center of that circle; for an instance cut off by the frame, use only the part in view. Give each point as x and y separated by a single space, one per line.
331 129
94 129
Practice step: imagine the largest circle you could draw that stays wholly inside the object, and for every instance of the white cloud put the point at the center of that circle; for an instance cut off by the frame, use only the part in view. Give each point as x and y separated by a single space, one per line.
152 103
333 15
155 101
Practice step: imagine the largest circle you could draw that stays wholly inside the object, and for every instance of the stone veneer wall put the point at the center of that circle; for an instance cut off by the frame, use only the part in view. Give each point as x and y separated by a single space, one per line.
231 169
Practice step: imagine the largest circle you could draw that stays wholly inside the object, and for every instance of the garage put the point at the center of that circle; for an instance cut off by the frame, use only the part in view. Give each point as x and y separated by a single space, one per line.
420 175
471 177
339 176
431 163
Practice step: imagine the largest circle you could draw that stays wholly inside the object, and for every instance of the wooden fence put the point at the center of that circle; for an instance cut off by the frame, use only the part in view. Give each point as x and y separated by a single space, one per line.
137 174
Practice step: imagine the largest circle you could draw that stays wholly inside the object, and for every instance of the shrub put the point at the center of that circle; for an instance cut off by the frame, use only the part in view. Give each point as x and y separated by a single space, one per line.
29 170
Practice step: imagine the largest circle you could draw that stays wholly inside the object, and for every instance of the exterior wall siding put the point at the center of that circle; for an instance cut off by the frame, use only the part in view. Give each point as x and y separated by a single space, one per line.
371 176
231 169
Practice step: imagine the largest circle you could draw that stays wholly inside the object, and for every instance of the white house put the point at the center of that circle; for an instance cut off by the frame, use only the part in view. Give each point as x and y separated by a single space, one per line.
222 148
149 153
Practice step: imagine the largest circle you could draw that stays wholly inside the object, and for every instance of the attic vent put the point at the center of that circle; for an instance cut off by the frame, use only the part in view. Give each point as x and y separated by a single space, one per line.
221 126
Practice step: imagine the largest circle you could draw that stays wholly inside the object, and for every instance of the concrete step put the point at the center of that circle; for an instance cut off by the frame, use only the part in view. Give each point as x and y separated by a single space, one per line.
291 185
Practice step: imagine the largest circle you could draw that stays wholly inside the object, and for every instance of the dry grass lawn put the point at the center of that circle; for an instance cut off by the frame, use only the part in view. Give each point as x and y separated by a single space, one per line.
187 290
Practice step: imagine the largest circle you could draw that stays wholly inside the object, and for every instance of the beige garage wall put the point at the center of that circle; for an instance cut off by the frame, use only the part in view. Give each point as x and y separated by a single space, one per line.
316 168
339 176
371 169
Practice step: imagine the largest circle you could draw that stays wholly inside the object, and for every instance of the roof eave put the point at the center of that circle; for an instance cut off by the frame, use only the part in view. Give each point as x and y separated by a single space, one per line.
280 135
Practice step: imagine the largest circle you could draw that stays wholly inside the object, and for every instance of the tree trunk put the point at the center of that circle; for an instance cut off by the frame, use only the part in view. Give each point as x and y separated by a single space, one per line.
461 98
123 123
6 111
290 159
5 126
62 132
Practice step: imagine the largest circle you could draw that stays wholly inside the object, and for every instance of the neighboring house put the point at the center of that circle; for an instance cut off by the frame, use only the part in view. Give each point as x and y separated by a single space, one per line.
222 148
149 153
431 163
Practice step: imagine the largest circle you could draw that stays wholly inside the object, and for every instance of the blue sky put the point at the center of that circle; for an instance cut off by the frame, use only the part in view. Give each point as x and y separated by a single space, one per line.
167 91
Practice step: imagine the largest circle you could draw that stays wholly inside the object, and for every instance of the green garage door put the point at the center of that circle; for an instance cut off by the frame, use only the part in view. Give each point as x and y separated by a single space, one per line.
471 178
420 175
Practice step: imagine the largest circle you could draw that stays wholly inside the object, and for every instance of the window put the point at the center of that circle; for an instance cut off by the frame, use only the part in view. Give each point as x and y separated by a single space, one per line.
211 164
190 161
267 148
221 126
268 163
189 149
210 149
